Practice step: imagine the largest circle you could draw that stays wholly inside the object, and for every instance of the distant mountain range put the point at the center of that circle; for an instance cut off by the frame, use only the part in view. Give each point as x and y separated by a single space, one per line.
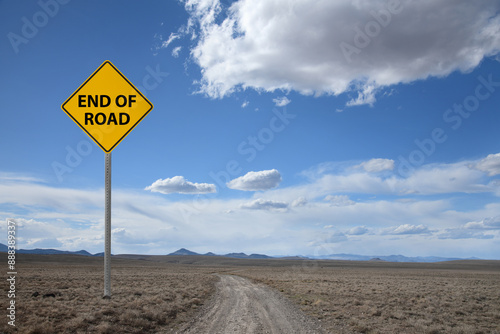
346 257
50 251
186 252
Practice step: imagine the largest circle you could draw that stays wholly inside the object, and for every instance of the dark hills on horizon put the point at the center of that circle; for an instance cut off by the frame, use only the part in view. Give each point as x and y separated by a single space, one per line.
186 252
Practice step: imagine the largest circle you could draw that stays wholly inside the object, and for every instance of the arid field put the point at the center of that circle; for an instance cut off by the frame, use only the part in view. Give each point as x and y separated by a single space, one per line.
368 297
146 297
158 294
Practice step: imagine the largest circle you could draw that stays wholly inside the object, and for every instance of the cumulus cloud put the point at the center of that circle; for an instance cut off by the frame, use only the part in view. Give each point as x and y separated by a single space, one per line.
262 204
377 165
178 184
333 47
473 230
490 164
254 181
49 216
281 101
409 229
245 104
358 230
492 223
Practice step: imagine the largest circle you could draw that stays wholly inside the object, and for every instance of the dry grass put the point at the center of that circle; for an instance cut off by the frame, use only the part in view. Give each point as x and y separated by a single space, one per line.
393 298
146 297
155 294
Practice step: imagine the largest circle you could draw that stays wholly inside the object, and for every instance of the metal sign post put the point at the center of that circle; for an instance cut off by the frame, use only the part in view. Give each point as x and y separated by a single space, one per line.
107 106
107 227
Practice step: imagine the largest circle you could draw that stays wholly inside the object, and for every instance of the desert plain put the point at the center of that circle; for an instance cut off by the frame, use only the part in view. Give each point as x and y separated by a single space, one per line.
163 294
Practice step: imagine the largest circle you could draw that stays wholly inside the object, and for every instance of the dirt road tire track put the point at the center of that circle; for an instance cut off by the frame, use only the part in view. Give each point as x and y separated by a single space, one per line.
240 306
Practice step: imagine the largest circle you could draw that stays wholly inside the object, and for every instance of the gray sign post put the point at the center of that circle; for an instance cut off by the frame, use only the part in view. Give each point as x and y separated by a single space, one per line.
107 228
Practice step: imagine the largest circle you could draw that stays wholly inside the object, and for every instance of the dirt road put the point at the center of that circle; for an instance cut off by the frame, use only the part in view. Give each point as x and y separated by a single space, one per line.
241 306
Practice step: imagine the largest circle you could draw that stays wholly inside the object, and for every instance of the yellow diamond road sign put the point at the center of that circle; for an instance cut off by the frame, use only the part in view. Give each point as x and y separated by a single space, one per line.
107 106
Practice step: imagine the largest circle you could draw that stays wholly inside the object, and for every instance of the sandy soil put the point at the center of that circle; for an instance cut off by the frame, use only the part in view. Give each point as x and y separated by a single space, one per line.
240 306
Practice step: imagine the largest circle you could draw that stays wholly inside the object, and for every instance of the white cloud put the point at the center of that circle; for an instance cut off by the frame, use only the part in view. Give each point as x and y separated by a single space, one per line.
45 243
358 230
365 96
254 181
261 204
176 51
444 178
473 230
72 219
275 221
171 38
324 241
492 223
346 178
178 184
245 104
339 200
301 201
333 47
377 165
204 10
334 237
409 229
464 234
34 233
9 176
281 101
490 164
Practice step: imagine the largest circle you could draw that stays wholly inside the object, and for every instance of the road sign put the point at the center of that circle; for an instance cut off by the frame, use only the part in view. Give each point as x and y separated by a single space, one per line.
107 106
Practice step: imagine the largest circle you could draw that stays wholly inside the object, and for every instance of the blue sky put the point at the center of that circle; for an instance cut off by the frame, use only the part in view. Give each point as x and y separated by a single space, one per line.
279 127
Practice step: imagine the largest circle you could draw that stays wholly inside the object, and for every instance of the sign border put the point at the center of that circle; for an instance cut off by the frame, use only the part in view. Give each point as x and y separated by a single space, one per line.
83 84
